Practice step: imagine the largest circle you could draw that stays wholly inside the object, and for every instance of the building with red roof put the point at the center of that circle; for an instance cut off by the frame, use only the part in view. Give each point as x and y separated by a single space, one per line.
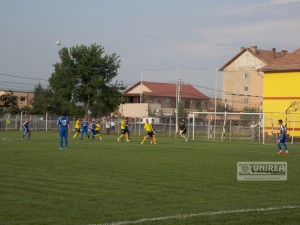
159 99
242 85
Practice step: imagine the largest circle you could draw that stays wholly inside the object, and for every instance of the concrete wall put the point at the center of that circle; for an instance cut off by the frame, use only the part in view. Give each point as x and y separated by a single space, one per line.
234 82
134 110
25 96
139 89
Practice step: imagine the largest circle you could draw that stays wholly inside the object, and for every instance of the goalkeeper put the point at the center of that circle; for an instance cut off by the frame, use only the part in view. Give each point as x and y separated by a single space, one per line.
182 130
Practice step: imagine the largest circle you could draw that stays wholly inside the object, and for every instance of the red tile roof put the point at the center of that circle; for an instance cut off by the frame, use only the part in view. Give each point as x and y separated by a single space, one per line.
168 90
266 56
290 62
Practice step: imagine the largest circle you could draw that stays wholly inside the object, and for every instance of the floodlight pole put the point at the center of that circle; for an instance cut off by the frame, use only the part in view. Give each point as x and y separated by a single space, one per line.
141 86
140 101
216 87
177 100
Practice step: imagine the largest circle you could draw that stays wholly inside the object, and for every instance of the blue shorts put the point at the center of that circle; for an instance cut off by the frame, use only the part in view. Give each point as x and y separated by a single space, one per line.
93 132
63 133
126 130
84 132
281 140
26 130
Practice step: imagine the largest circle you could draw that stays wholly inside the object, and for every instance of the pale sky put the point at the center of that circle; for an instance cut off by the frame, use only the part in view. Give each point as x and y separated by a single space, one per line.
147 34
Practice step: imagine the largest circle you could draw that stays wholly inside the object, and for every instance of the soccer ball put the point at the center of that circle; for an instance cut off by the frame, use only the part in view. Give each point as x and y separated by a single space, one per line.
58 43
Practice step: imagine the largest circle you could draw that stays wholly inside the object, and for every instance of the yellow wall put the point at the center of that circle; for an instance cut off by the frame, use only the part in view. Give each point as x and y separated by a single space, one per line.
280 90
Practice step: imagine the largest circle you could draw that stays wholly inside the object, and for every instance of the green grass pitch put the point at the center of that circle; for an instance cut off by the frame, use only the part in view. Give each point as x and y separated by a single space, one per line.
111 182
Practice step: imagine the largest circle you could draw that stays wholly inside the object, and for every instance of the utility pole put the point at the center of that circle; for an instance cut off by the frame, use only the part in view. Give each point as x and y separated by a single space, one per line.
178 98
179 91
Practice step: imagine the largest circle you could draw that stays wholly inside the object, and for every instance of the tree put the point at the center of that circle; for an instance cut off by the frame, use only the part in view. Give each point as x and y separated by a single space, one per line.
10 102
247 120
200 118
42 101
25 109
221 107
84 76
182 113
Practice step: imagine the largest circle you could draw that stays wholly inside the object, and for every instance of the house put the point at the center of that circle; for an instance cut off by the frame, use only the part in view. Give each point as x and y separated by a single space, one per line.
159 99
281 94
242 84
24 98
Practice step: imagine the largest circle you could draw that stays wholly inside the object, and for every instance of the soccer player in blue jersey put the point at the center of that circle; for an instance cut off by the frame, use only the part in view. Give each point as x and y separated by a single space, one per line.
84 129
127 131
282 138
153 129
26 129
63 125
93 129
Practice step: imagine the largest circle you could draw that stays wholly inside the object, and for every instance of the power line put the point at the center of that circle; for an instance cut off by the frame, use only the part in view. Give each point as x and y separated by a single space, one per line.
12 86
197 68
18 90
23 77
212 89
24 84
182 68
226 92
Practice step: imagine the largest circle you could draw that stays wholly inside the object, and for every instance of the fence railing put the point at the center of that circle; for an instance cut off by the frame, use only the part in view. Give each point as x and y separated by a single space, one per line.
260 128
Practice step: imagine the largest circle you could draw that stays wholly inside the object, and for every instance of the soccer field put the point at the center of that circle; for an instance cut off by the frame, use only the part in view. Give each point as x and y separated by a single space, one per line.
173 182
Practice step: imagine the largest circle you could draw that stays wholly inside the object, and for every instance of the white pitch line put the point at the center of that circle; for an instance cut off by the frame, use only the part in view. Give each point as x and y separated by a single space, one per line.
184 216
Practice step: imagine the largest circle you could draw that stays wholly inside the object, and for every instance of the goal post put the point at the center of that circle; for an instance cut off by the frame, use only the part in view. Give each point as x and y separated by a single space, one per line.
221 126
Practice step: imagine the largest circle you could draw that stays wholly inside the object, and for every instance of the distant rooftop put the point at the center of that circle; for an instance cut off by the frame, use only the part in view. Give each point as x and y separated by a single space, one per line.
167 90
266 56
290 62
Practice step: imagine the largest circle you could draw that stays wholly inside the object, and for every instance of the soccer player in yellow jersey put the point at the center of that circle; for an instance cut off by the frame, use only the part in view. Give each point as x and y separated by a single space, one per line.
149 132
98 130
77 127
123 130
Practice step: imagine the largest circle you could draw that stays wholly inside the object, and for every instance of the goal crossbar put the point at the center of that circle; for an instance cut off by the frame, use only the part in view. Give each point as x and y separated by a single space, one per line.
227 114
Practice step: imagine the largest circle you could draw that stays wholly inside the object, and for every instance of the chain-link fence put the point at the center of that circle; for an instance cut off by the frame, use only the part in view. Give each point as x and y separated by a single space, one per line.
251 127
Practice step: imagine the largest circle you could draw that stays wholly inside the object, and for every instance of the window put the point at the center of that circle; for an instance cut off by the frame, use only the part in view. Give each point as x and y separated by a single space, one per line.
198 105
246 88
22 99
166 102
246 76
187 104
246 100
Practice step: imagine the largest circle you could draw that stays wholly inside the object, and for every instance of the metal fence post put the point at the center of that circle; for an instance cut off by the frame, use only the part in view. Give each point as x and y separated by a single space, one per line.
46 122
21 121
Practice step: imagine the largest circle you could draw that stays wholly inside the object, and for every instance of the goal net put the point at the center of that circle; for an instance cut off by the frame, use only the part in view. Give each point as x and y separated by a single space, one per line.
249 127
223 126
